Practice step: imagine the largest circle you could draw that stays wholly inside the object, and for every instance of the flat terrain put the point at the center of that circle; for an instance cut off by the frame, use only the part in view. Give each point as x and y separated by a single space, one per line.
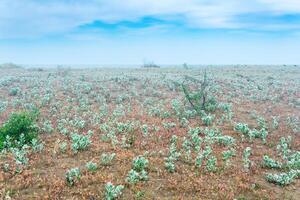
132 112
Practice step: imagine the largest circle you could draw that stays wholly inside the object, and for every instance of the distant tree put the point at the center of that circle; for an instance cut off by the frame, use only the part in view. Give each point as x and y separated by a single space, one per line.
150 64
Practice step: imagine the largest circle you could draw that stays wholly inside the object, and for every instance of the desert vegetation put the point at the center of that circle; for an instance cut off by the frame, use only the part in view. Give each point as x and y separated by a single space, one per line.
227 132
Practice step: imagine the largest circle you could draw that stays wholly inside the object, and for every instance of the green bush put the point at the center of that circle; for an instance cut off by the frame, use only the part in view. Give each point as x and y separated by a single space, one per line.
18 124
14 91
80 142
113 192
73 175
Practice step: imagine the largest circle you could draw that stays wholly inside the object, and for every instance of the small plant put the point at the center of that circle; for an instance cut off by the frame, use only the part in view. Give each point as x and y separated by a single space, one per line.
6 167
195 138
124 127
173 148
103 110
169 165
104 127
199 159
293 123
20 155
14 91
169 125
208 119
293 160
138 171
47 127
91 166
139 194
80 142
112 192
3 106
139 163
173 155
145 130
211 163
106 159
111 135
119 111
177 107
247 161
36 146
244 129
63 147
283 148
227 108
225 140
202 155
275 123
226 155
187 145
251 134
283 179
72 175
127 142
262 123
79 123
263 134
133 177
270 163
184 122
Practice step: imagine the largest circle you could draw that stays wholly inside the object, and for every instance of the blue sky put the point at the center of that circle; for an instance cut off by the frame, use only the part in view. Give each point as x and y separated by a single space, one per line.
164 31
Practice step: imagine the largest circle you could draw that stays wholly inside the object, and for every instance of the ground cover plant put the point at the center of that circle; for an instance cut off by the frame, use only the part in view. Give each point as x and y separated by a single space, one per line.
192 132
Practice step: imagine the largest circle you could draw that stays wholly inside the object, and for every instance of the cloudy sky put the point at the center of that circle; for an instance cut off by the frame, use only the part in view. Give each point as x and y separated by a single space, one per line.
163 31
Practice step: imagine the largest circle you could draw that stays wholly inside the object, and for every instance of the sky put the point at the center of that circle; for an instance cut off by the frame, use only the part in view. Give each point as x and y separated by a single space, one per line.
160 31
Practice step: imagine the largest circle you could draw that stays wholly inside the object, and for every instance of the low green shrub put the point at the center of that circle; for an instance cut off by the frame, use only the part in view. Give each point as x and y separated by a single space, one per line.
91 166
247 162
138 171
14 91
72 176
271 163
283 179
80 142
18 124
107 159
113 192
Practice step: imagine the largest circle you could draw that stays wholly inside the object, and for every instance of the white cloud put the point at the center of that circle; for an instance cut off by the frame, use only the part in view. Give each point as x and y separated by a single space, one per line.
282 6
34 18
